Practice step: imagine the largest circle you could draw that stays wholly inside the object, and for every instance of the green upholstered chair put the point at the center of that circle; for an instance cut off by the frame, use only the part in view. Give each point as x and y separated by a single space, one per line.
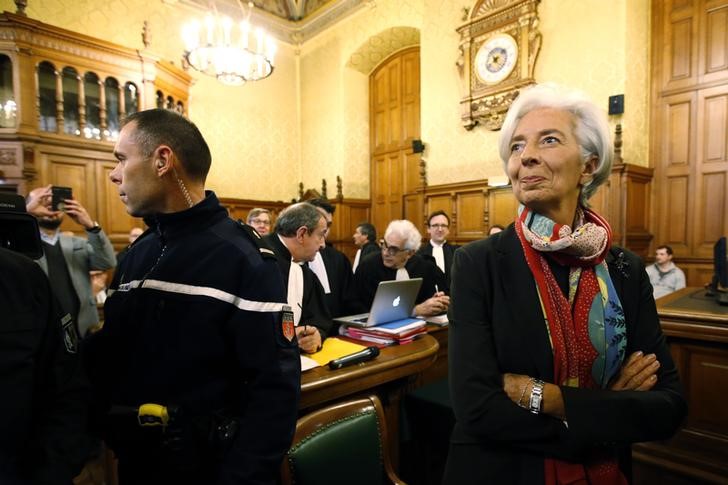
345 443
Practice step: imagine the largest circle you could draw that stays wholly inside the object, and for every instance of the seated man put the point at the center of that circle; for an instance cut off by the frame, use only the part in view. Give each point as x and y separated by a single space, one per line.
365 238
398 260
260 220
333 268
664 275
298 235
438 226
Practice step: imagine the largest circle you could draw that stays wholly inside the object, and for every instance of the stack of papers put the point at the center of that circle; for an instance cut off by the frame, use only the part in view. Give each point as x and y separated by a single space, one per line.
397 332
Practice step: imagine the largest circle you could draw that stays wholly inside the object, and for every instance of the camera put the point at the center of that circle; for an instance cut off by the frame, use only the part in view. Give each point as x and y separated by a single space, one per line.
18 229
59 196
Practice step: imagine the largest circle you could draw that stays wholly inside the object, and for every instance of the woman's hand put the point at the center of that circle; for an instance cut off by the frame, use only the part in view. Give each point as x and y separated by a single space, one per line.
639 373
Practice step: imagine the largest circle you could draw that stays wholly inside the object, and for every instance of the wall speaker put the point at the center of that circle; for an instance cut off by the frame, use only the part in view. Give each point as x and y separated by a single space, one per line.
616 104
418 146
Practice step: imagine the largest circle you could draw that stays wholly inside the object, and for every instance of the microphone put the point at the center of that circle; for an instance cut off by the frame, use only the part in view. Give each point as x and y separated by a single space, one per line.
362 356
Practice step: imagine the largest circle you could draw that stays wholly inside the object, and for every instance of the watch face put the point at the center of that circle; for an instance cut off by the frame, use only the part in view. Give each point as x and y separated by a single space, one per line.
496 58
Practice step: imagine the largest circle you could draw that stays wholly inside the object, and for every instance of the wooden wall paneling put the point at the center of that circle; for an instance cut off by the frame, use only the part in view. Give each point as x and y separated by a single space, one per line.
77 173
502 207
394 103
239 208
680 51
394 122
348 215
379 114
711 171
410 97
713 47
676 126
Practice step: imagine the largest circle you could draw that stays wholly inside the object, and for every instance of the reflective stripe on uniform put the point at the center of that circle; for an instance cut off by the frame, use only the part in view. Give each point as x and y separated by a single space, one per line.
169 287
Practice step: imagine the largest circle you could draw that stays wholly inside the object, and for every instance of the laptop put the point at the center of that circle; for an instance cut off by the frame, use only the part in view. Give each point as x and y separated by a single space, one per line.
394 300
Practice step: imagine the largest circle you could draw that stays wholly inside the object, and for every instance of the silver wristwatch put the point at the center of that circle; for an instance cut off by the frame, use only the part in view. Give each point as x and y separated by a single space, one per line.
534 403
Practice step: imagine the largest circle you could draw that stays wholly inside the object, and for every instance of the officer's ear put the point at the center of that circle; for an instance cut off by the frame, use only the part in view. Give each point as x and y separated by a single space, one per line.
163 160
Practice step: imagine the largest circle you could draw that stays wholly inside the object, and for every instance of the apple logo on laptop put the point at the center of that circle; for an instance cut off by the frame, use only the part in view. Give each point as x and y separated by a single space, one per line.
395 302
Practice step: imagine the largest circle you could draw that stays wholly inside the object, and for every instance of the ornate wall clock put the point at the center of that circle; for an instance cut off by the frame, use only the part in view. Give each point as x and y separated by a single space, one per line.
499 44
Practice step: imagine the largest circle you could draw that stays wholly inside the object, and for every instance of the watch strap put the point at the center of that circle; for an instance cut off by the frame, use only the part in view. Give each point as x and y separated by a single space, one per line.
534 402
96 229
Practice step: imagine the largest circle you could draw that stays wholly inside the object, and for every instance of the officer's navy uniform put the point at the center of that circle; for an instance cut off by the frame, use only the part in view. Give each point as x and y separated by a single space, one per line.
44 394
193 322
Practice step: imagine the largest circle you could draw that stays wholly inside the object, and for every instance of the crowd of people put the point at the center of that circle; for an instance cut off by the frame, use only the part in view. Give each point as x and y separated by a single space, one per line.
549 338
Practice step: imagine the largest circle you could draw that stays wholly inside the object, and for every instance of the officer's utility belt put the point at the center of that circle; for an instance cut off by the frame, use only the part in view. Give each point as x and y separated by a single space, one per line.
170 428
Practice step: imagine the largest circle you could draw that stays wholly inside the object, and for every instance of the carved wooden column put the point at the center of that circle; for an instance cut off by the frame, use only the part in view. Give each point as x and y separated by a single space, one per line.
59 102
102 109
81 105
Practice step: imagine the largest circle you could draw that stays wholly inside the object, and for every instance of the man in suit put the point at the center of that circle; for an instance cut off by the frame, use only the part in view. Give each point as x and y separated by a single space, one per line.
398 260
438 227
333 269
298 235
365 237
67 260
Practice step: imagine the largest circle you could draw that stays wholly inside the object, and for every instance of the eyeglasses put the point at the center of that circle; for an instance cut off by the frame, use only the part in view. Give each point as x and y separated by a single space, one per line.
440 226
260 221
390 250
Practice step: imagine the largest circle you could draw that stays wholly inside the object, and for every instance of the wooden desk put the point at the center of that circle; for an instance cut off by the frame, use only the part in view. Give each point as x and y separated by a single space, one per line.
696 328
388 376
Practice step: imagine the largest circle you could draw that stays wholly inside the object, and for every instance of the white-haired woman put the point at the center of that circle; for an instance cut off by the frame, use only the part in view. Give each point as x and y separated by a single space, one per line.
557 359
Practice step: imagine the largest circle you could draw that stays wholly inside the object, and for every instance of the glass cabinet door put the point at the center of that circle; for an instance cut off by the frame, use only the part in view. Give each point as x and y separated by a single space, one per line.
47 96
92 96
70 102
111 88
8 115
131 98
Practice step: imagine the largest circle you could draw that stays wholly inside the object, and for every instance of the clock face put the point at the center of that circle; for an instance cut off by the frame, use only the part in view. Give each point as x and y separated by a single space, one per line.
496 58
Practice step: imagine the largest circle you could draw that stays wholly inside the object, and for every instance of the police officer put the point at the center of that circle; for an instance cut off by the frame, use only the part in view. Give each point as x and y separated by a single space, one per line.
194 323
44 404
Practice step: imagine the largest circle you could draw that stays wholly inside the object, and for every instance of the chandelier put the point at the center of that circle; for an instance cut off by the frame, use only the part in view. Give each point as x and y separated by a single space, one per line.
234 56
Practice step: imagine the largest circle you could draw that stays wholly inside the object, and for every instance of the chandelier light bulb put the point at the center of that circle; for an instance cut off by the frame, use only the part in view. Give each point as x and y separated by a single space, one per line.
219 49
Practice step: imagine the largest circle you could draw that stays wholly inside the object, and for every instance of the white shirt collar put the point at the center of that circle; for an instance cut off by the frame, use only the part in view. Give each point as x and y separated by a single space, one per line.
435 245
50 239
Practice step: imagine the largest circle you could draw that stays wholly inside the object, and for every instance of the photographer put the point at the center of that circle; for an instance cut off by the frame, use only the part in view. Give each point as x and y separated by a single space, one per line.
68 259
44 406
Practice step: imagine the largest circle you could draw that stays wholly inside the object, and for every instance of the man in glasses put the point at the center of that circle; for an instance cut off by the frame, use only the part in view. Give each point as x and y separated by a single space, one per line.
438 227
398 260
260 220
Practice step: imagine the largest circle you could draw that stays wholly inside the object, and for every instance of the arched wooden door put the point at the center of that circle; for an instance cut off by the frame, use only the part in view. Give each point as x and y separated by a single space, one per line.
394 100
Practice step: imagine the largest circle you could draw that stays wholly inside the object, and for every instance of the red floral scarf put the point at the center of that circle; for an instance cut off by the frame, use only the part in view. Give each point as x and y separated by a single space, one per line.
586 331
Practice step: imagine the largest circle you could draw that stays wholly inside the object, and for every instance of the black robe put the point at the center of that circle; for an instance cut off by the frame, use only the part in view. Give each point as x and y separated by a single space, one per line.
313 307
372 270
448 251
341 283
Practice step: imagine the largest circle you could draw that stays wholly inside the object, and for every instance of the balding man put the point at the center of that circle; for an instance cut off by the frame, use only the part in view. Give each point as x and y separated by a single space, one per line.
299 233
67 260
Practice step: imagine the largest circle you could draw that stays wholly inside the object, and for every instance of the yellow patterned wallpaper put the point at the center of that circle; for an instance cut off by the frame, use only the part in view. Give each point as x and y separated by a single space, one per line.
310 120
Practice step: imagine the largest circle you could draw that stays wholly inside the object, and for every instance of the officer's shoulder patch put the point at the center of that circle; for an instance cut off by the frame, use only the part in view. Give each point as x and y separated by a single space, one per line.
70 337
263 248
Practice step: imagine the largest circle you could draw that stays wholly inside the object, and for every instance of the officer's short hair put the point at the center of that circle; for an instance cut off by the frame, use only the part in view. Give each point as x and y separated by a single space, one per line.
368 230
295 216
156 127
